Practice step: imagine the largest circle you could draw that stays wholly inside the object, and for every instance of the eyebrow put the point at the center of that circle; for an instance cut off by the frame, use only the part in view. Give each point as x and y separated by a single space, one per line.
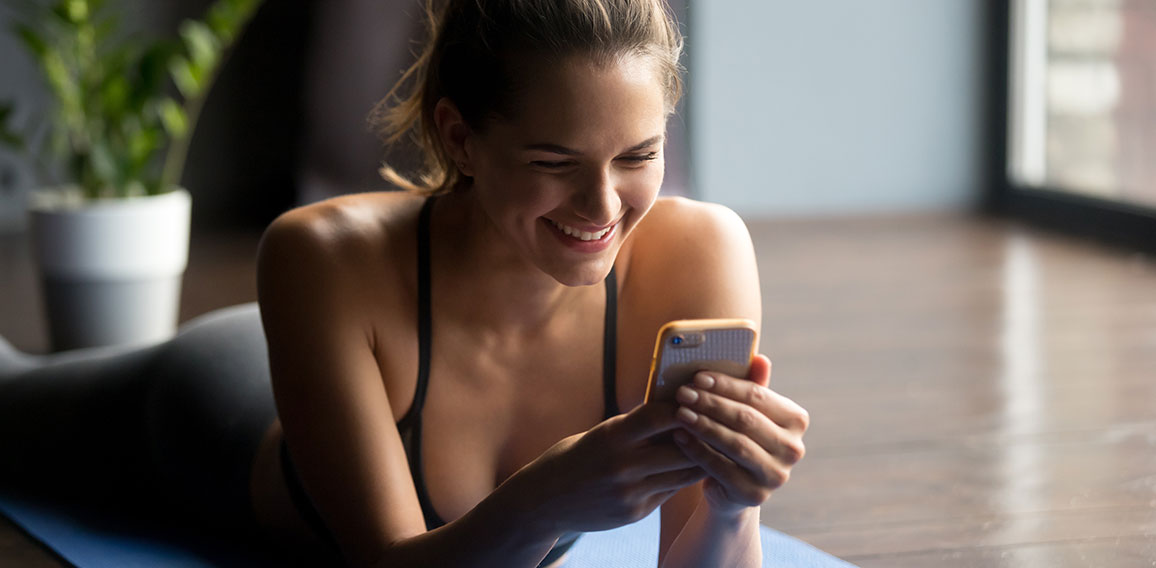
557 149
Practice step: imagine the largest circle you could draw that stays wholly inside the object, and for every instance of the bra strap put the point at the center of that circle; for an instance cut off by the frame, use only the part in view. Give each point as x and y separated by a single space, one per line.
610 348
423 315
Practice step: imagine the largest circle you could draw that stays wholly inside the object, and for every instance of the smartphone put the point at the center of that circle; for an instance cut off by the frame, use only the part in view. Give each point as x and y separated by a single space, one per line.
685 347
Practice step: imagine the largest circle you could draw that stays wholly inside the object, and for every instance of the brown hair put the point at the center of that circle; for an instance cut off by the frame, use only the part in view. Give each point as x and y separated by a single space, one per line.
470 57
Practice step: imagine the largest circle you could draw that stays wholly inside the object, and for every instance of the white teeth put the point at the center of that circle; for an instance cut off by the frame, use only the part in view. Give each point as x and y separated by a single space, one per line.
581 235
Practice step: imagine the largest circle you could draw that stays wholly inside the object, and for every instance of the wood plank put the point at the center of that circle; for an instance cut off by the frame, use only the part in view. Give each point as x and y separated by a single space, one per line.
1113 552
948 536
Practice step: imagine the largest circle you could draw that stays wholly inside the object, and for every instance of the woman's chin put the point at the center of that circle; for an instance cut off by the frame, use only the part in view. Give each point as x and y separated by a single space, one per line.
585 274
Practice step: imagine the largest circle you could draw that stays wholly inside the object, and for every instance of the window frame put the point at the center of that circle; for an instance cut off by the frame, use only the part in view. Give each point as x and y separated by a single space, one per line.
1117 223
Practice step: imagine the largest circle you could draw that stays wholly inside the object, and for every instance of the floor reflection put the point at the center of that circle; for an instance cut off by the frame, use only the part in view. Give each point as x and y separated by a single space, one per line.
1022 377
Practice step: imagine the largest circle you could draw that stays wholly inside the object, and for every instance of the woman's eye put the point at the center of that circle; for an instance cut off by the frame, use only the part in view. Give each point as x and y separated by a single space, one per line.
548 164
640 159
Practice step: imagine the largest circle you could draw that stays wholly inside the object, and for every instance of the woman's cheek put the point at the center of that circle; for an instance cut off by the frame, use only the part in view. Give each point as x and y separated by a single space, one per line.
646 191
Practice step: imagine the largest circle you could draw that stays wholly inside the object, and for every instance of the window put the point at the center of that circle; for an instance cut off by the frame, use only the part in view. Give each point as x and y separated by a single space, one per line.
1082 108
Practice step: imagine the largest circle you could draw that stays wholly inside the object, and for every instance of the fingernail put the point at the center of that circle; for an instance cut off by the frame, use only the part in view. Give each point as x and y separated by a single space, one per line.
681 437
686 415
703 381
686 395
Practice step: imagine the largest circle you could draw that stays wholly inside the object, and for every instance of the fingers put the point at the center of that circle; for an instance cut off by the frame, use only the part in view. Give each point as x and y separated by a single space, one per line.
741 427
745 436
638 437
783 411
760 372
647 421
672 481
732 451
738 485
656 459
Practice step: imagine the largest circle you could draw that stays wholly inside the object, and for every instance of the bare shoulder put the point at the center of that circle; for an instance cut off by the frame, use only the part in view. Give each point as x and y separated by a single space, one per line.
672 212
688 260
338 269
677 229
340 242
699 258
344 226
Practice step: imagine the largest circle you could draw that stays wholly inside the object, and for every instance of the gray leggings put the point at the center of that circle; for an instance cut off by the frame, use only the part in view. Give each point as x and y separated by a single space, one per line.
174 424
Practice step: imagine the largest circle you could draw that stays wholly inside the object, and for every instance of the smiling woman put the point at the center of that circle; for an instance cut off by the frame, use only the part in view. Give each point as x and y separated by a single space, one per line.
450 365
582 156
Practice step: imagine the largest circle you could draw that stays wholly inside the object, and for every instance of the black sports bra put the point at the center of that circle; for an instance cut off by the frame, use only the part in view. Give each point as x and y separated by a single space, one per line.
410 425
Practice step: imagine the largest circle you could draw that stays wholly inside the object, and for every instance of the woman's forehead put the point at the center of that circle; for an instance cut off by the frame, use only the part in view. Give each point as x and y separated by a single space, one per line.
577 102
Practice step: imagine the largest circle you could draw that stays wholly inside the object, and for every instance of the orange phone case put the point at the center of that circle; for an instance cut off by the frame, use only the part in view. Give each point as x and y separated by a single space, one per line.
685 347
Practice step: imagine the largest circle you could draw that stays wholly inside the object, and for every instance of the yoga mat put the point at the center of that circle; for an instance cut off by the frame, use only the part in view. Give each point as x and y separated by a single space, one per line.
105 541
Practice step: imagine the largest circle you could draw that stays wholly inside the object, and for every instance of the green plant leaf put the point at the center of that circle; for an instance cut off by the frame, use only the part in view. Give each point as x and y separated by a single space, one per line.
78 11
150 74
174 118
185 77
104 31
227 17
61 79
114 96
203 47
9 137
32 40
60 10
142 143
71 12
11 140
104 166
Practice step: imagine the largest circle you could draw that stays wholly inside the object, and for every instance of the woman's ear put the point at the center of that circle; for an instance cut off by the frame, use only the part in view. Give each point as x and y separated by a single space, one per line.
454 133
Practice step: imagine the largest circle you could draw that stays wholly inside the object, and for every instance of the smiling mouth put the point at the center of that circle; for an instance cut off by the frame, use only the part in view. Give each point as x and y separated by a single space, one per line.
579 234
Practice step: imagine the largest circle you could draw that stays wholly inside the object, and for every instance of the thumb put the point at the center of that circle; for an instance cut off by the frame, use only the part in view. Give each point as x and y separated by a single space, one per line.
760 371
649 419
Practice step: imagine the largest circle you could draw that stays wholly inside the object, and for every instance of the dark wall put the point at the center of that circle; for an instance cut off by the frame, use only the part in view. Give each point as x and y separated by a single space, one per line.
241 164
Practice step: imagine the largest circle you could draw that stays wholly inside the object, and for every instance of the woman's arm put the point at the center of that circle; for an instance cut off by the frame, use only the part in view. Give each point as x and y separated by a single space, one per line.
338 422
336 413
705 262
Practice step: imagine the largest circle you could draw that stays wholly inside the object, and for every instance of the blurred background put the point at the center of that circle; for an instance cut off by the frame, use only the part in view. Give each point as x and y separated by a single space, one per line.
792 109
819 108
953 204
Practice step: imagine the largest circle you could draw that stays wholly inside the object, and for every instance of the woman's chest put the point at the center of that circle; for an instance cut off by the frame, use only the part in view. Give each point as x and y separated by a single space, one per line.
488 412
490 405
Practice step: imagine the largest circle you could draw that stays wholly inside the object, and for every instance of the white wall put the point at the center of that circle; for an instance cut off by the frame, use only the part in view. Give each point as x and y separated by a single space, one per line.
836 106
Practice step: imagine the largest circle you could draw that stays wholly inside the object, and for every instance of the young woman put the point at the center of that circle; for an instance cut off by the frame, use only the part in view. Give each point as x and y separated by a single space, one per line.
451 365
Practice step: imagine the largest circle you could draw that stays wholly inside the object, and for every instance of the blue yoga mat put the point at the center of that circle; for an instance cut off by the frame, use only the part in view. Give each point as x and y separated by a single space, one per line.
103 541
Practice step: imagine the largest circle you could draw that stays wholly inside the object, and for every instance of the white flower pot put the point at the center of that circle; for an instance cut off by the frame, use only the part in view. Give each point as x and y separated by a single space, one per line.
111 268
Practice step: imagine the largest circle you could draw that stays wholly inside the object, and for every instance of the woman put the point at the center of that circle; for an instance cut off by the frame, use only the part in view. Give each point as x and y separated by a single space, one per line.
449 363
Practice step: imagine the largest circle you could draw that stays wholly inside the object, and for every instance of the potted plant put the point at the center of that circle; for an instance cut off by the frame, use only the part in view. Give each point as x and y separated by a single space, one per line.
110 230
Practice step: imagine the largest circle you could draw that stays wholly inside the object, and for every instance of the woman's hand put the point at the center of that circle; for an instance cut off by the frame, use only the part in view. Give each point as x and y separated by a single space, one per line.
745 436
611 475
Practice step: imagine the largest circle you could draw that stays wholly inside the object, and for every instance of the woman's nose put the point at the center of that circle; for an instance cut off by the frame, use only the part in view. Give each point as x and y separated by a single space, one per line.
598 201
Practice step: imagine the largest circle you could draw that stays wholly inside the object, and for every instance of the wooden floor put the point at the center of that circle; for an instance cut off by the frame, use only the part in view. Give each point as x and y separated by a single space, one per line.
981 394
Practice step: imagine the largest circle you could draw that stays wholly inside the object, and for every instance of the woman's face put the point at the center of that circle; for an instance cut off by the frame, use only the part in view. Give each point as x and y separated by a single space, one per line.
569 177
